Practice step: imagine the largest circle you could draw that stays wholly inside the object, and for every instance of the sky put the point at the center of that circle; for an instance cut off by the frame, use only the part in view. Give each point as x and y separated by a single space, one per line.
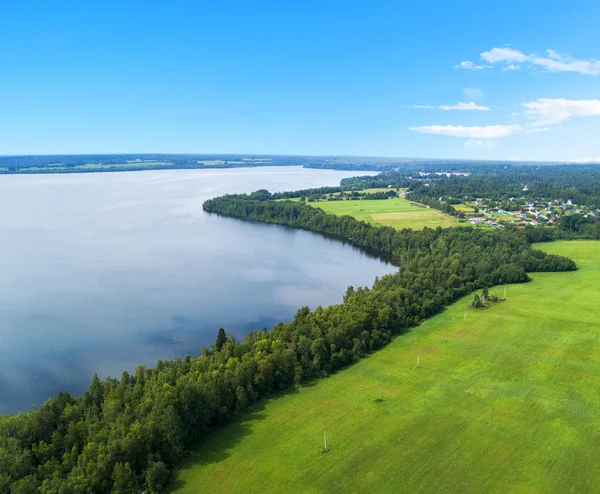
510 80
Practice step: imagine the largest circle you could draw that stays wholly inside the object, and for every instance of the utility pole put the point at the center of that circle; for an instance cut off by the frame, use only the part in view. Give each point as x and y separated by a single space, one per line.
465 316
418 360
504 291
325 440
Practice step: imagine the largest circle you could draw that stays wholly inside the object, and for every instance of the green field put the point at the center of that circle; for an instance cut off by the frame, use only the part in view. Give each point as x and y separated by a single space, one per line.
507 402
463 207
397 213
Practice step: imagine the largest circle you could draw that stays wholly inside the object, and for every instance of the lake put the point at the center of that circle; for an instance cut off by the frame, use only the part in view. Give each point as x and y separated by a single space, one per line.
101 272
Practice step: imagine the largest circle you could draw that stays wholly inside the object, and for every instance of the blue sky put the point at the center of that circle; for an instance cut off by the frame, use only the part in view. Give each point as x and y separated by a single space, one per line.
492 80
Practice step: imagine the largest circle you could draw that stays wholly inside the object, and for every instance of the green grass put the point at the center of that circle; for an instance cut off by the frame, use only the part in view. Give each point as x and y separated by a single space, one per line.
509 403
397 212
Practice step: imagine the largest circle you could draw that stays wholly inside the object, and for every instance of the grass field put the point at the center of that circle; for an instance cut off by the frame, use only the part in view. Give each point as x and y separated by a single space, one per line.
397 212
463 207
509 403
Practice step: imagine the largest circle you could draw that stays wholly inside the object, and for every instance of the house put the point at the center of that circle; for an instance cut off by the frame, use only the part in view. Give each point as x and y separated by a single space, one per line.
533 222
478 202
476 221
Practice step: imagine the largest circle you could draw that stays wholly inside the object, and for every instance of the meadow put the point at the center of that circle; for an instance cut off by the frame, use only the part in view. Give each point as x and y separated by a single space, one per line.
396 212
464 208
506 402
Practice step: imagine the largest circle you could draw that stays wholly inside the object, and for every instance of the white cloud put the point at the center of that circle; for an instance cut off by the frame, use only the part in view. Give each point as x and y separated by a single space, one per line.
472 93
552 62
553 54
478 143
536 129
464 107
470 106
559 63
469 66
496 55
485 132
548 111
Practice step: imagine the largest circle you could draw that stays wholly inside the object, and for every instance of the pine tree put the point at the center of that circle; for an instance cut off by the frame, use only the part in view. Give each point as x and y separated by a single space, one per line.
221 339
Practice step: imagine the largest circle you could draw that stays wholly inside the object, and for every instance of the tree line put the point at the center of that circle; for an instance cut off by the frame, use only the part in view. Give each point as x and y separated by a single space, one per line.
128 434
569 227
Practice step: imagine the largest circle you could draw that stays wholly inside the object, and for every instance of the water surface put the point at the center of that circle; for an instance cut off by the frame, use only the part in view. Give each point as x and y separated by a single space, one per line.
101 272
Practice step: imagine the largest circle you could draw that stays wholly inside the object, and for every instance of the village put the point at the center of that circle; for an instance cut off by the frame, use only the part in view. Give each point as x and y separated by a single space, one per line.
522 212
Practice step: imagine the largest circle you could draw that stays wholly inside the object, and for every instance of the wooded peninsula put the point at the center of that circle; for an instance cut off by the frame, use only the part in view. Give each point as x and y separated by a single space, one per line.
131 432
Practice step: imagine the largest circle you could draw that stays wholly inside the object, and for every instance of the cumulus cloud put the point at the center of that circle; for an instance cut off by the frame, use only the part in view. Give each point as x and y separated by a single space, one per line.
496 55
484 132
469 66
547 111
551 62
470 106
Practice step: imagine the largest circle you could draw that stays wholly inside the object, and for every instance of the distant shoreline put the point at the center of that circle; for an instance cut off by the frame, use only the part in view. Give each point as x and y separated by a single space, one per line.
107 163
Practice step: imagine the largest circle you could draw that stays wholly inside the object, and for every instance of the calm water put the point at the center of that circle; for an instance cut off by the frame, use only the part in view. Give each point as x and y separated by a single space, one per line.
100 272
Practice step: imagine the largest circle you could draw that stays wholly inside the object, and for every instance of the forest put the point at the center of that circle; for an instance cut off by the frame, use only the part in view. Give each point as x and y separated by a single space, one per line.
129 434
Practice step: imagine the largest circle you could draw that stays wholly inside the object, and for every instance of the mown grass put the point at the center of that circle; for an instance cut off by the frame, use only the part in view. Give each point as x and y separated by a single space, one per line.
397 212
507 402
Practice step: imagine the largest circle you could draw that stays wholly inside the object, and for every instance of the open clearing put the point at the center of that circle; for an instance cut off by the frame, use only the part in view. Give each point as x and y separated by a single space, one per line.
396 212
508 402
463 207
